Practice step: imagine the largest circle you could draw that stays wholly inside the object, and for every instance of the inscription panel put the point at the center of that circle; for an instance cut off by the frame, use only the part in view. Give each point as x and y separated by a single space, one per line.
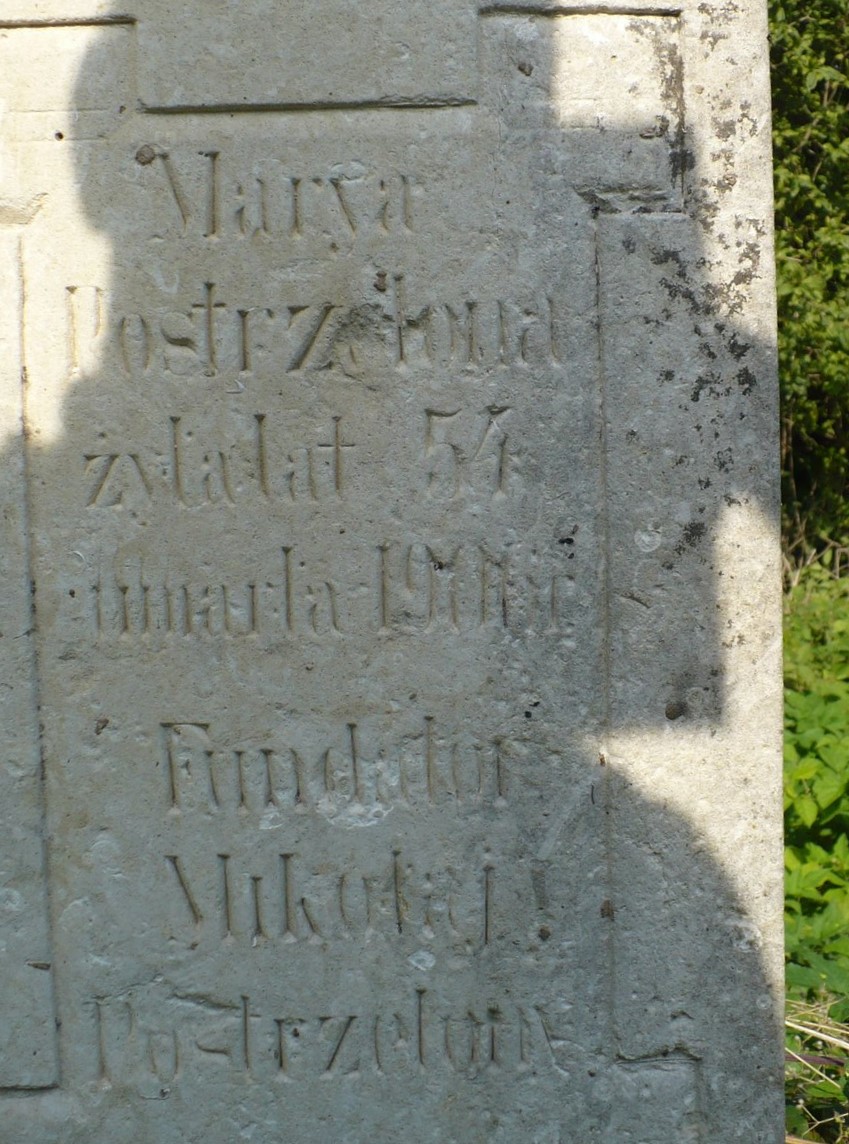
323 377
335 482
267 55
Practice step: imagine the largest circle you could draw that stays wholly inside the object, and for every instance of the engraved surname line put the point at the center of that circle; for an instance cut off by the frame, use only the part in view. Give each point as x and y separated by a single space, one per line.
474 332
343 768
131 1048
209 198
219 336
281 898
193 468
137 1040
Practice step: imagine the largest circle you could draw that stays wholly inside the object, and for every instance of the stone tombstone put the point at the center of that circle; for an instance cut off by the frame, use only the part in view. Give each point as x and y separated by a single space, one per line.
390 615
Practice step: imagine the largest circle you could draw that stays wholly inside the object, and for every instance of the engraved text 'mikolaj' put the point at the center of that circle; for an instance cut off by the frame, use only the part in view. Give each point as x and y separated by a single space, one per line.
284 898
344 767
139 1044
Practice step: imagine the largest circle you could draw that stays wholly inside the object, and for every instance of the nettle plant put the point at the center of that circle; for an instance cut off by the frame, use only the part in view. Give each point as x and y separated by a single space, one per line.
816 786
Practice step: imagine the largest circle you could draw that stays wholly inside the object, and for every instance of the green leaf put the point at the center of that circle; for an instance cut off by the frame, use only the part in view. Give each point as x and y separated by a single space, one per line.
823 73
806 808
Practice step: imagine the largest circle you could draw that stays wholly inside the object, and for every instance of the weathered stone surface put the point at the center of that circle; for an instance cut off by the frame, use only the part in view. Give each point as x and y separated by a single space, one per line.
390 622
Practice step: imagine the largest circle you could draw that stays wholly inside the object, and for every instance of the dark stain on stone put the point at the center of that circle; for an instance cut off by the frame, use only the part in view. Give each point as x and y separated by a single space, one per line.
746 380
692 534
711 383
736 348
664 257
724 460
682 160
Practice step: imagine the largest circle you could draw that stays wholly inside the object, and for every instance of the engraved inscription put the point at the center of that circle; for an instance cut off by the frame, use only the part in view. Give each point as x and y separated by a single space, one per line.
236 339
209 197
407 588
325 661
258 459
287 897
426 765
459 587
467 454
114 478
416 1034
477 333
143 609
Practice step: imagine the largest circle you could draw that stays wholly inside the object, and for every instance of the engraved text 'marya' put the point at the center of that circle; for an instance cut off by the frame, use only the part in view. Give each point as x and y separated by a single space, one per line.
148 1044
203 193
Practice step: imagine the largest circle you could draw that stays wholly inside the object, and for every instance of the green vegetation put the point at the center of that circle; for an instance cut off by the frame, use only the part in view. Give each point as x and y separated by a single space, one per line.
816 785
816 811
817 1048
810 57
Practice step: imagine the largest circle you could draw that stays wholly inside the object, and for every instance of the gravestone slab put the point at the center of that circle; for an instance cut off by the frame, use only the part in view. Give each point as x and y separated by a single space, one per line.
391 609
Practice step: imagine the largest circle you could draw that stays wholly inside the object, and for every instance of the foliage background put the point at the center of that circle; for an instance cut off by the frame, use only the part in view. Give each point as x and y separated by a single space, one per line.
810 53
810 66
